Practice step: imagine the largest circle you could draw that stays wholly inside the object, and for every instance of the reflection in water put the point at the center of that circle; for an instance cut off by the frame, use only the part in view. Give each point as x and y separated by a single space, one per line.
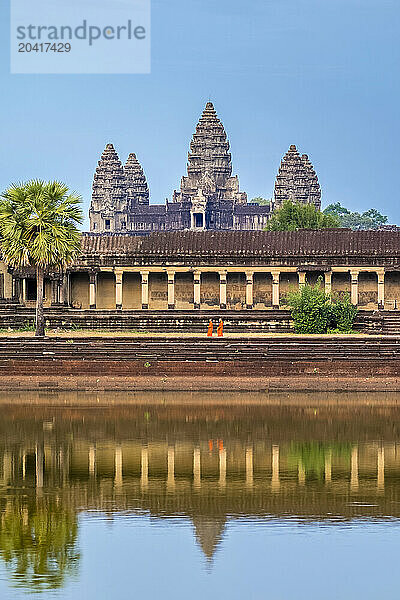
211 463
37 541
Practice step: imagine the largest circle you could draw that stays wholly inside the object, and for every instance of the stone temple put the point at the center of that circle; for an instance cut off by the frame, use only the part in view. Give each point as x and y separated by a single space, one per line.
209 197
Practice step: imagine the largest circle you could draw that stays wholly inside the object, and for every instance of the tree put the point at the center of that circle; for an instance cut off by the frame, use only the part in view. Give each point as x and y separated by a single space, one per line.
314 311
293 216
38 228
370 219
261 201
310 309
38 542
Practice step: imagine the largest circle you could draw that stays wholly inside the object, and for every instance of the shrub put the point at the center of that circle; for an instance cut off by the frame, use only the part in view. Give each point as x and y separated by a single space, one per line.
343 313
314 311
310 308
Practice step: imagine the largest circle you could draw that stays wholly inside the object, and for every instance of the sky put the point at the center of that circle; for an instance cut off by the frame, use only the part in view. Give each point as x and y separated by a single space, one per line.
321 74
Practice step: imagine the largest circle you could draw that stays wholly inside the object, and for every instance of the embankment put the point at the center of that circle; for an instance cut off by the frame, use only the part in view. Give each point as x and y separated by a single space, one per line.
202 363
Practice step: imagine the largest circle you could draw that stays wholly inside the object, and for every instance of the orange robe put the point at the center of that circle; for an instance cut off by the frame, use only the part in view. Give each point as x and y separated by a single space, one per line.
220 329
210 329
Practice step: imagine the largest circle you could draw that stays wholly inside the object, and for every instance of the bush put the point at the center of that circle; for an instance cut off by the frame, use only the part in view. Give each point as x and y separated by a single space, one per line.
310 308
343 313
314 311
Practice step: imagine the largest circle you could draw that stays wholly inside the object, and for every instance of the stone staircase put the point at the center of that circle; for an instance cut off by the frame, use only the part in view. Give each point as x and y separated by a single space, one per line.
391 323
180 321
123 356
162 321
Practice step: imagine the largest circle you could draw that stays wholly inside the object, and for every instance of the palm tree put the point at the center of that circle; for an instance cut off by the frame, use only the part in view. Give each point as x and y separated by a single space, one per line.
38 228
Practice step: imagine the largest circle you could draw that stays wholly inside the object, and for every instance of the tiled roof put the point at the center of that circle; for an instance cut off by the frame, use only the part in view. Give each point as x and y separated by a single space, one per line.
251 209
325 242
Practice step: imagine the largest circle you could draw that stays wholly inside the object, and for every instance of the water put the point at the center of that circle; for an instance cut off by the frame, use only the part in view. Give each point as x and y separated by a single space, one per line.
203 495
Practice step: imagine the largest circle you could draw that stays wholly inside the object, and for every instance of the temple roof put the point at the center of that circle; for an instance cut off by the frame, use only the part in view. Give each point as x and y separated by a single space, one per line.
304 243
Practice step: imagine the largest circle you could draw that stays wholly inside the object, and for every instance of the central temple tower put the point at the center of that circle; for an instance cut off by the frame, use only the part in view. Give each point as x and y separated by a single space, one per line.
209 191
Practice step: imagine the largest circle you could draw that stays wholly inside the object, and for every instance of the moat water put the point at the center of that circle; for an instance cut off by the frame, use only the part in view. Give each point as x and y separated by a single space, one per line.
242 496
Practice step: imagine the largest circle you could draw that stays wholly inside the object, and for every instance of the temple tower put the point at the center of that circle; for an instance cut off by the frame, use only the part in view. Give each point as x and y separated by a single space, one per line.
209 173
296 180
109 197
137 188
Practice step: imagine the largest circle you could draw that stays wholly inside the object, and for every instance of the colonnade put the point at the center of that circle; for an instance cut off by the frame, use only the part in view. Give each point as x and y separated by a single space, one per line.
272 277
275 473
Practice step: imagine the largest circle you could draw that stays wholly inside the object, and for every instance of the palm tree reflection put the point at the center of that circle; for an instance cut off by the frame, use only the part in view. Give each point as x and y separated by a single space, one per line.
38 542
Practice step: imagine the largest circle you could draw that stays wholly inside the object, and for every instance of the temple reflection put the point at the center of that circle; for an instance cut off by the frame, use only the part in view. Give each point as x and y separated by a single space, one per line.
206 463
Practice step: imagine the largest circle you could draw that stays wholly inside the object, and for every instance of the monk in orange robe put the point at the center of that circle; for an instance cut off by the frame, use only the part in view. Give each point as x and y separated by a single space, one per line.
210 329
220 329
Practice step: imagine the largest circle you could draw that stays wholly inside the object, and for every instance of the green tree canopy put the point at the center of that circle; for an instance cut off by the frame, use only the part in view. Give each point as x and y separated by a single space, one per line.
38 228
370 219
260 200
293 216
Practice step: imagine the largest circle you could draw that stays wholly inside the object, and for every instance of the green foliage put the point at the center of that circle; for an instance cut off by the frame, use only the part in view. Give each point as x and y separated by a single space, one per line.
38 228
314 311
310 308
370 219
38 224
343 313
293 216
261 201
313 455
38 542
27 326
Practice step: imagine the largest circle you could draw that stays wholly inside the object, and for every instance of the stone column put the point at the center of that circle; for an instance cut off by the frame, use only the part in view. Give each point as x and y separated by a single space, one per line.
92 461
301 473
222 289
354 287
328 282
275 289
67 289
118 466
118 289
222 467
275 481
54 291
144 467
39 466
23 464
24 290
145 289
249 467
196 288
381 289
61 289
92 289
381 469
249 289
171 467
16 289
302 278
7 467
171 289
196 467
354 469
328 467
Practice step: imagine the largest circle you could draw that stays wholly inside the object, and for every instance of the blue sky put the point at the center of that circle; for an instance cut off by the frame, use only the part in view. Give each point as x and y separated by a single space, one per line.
322 74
